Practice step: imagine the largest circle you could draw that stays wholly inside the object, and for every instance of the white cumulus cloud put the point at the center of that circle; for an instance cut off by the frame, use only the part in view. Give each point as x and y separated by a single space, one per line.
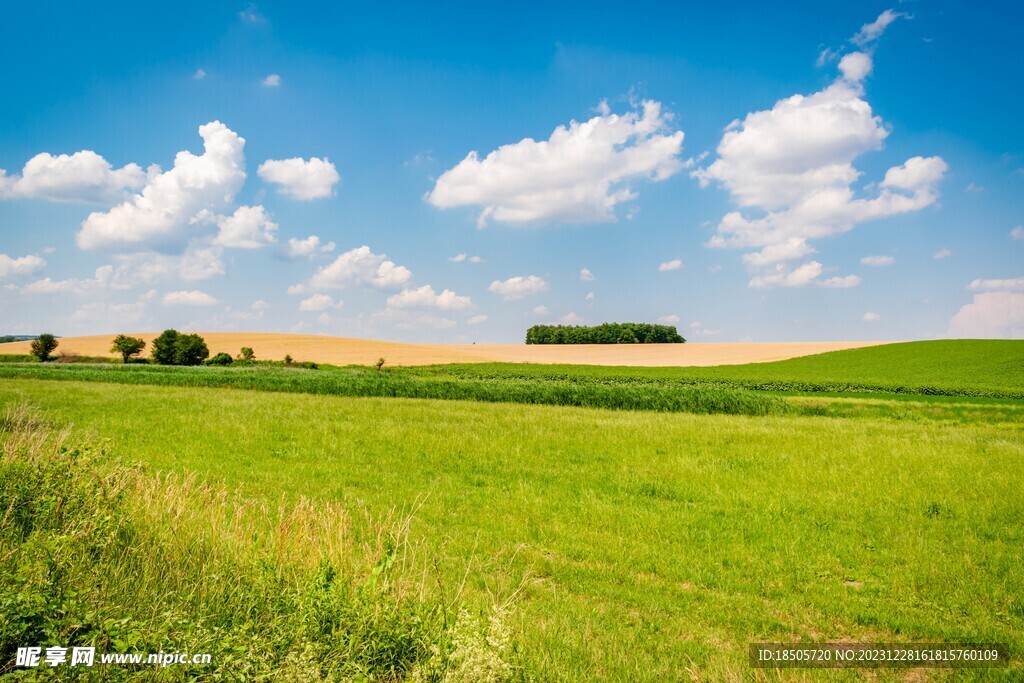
177 203
317 302
518 287
877 261
80 177
301 179
192 297
22 265
307 247
870 317
674 264
271 81
579 174
790 170
671 319
249 227
426 297
357 267
992 315
1017 233
586 275
476 320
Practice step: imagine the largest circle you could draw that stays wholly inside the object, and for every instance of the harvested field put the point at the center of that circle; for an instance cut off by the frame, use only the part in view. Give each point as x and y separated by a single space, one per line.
348 351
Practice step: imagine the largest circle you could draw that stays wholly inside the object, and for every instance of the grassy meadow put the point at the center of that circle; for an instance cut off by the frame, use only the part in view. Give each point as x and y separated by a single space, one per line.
631 533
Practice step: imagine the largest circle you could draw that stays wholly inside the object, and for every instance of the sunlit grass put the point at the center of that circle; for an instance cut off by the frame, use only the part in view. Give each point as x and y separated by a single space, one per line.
649 543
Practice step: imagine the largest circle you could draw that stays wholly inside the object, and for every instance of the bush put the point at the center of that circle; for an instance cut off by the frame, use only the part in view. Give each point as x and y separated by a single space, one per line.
247 354
221 359
127 346
606 333
174 348
43 346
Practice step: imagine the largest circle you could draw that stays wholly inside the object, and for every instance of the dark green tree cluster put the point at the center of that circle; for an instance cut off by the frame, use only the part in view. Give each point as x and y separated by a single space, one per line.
175 348
606 333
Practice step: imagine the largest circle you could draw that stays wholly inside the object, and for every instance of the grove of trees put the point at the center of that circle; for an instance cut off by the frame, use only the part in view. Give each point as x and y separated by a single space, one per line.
606 333
174 348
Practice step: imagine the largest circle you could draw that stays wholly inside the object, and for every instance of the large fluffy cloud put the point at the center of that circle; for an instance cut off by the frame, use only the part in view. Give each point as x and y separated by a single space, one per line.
790 169
301 179
80 177
991 315
175 204
357 267
579 174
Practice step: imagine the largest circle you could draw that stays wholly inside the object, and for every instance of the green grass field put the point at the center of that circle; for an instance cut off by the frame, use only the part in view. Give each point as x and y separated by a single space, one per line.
638 544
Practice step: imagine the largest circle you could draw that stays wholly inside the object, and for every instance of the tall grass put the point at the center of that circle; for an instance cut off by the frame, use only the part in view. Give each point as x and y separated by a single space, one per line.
125 561
356 381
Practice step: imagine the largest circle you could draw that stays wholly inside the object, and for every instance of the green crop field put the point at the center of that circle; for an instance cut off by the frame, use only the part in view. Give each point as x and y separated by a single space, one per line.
651 541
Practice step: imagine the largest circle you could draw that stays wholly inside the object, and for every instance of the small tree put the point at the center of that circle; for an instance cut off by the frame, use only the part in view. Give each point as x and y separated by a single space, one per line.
43 346
288 359
221 358
127 346
379 364
190 349
247 354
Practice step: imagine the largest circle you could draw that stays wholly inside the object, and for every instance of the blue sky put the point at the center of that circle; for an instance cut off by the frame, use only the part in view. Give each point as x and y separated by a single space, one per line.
746 172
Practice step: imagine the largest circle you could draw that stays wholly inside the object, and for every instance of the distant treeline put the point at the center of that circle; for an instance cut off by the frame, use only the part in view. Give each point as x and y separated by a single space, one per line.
5 338
606 333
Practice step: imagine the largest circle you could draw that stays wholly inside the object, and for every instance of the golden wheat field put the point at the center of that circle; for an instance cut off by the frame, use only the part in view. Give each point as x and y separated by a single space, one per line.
349 351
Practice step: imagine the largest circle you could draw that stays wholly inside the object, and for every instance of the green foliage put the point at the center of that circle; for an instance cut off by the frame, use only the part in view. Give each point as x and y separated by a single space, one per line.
220 359
127 346
42 346
164 351
288 359
175 348
379 364
247 354
109 557
606 333
363 381
190 349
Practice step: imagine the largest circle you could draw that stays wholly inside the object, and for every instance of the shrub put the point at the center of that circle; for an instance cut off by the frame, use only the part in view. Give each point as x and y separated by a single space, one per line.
220 359
127 346
288 359
247 354
379 364
43 346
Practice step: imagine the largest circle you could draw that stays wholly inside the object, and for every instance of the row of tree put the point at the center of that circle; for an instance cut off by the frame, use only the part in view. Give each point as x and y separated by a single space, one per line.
606 333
